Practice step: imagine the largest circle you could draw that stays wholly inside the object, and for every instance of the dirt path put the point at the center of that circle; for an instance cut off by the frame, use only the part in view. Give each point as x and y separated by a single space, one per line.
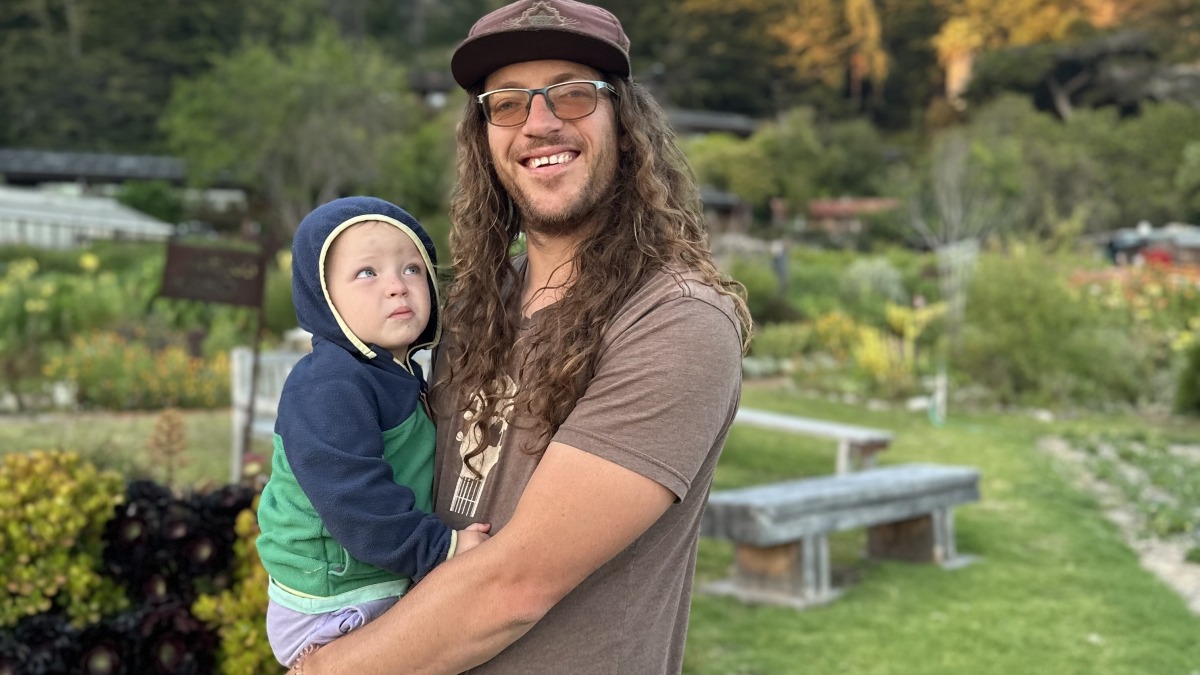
1163 557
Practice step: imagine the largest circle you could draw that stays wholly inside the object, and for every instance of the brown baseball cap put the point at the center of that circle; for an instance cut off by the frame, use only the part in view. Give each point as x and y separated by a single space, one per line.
533 30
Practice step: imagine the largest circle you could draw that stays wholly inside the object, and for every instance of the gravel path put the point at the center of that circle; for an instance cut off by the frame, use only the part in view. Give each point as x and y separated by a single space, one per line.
1163 557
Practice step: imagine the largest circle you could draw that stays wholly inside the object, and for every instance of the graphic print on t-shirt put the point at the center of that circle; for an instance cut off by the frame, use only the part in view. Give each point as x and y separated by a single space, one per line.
470 486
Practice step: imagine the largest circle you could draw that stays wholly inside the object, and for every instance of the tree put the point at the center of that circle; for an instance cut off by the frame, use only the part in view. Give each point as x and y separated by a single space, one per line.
1122 69
300 126
838 42
716 58
76 77
963 201
913 74
1187 179
975 26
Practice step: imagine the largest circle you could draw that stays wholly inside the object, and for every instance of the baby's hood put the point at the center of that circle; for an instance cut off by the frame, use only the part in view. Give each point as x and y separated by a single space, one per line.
310 248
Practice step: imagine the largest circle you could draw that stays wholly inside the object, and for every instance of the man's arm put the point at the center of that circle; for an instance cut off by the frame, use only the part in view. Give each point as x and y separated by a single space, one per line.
577 512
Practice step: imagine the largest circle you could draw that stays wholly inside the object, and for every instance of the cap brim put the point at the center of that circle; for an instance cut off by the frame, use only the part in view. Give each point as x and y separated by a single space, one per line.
481 56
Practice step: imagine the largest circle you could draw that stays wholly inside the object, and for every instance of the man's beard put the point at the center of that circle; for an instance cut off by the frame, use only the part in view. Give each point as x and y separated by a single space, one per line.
591 204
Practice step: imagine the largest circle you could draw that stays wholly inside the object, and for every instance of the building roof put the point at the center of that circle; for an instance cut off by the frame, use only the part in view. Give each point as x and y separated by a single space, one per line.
45 166
704 121
79 213
850 207
718 199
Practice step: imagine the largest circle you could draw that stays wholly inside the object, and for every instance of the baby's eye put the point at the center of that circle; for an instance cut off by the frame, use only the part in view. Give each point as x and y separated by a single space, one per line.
365 273
414 269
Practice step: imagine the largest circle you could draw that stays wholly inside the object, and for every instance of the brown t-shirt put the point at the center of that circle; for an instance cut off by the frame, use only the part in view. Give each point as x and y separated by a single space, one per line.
662 400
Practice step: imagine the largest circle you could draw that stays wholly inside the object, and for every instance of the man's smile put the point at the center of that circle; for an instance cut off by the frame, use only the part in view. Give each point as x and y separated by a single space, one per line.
560 158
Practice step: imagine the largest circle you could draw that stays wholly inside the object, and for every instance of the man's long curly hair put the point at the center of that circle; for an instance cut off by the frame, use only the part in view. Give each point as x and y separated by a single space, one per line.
656 223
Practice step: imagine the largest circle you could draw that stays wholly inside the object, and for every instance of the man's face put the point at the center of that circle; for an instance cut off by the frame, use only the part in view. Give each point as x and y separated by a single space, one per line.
378 283
557 172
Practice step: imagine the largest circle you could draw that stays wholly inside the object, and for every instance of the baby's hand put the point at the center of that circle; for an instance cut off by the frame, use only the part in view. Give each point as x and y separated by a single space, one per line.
472 536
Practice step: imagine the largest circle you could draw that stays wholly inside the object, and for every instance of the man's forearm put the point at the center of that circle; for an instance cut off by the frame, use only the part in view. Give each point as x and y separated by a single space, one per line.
576 513
458 617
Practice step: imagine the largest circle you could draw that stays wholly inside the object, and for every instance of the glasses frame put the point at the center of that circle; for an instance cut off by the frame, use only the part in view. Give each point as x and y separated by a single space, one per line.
545 92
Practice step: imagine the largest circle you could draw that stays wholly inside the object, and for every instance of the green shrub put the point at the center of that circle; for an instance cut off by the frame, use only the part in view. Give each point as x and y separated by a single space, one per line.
1193 555
239 615
867 285
40 309
157 198
279 314
781 340
53 507
1187 392
112 372
814 280
763 297
1030 340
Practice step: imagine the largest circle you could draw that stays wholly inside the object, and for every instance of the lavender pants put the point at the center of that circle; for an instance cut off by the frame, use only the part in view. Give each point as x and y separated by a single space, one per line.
289 631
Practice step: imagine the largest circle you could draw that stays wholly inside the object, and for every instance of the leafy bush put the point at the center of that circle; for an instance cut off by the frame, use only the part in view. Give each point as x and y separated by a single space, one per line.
110 371
1187 393
868 284
835 333
157 198
39 309
814 280
279 314
884 361
239 613
767 305
53 510
1030 340
781 340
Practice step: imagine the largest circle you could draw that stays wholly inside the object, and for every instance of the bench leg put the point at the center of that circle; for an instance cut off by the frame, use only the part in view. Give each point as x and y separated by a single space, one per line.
815 559
857 456
799 570
923 539
845 461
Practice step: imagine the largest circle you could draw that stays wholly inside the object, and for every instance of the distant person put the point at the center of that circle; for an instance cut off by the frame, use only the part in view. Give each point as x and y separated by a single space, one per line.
345 515
584 389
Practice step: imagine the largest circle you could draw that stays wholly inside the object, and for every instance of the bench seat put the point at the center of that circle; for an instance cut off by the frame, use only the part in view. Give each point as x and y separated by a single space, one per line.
857 446
780 530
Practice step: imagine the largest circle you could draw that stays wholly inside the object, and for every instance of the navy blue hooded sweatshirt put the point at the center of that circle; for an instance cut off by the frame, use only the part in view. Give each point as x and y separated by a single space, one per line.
345 516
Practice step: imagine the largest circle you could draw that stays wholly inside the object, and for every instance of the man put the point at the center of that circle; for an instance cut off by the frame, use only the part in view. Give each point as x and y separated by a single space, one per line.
584 389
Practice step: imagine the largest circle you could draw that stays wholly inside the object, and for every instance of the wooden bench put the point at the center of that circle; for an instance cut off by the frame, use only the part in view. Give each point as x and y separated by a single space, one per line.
781 551
273 369
857 446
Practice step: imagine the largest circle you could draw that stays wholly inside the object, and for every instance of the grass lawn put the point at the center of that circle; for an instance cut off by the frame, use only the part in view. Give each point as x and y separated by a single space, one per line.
118 441
1055 590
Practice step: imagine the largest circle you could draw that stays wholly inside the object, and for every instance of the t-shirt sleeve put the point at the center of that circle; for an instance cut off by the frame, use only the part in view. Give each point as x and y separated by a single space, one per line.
665 390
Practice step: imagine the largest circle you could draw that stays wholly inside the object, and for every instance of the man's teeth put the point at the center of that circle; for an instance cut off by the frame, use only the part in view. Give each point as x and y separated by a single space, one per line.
560 158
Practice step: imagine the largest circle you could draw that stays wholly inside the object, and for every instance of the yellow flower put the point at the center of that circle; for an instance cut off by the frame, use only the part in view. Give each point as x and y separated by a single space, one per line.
22 270
90 262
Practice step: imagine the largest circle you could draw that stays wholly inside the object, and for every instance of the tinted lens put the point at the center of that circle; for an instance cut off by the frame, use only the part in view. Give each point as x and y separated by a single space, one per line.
506 108
573 100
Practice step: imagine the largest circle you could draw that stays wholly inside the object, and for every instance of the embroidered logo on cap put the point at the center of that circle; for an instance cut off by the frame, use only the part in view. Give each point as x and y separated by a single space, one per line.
541 14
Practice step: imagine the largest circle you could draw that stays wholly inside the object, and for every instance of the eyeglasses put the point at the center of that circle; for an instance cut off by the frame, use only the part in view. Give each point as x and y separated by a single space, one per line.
567 100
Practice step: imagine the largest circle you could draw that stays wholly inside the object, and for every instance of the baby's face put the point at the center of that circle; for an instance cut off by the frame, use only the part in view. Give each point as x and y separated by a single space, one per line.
378 283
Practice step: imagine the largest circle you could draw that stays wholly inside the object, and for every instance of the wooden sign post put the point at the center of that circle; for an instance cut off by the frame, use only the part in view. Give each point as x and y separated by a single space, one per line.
222 275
